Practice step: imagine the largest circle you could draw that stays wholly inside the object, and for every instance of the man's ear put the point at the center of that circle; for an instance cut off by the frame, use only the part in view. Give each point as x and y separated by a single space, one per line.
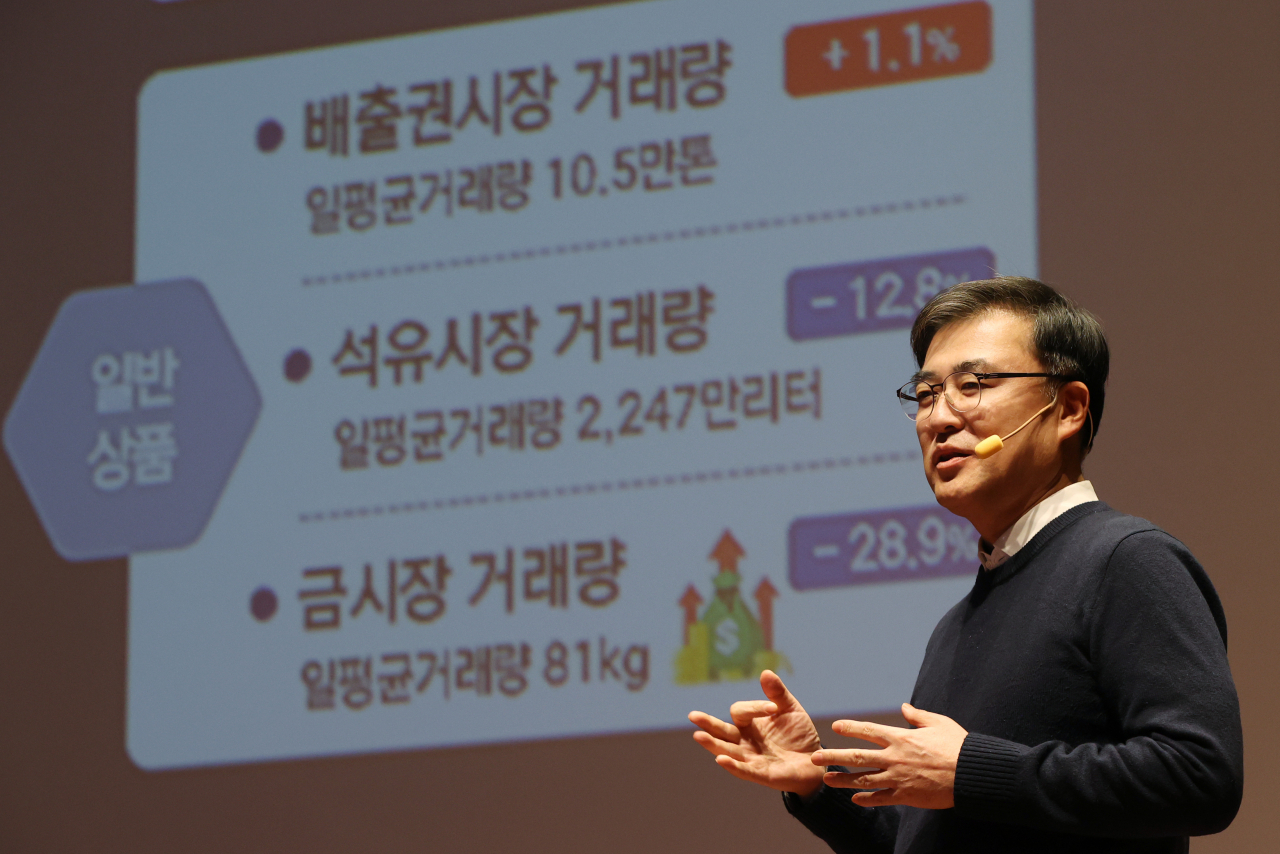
1073 400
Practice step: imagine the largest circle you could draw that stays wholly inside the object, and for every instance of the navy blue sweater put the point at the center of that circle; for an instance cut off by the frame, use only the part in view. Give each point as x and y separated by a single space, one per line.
1091 673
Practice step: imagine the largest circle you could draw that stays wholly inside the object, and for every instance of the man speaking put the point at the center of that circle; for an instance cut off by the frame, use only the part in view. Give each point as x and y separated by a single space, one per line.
1079 697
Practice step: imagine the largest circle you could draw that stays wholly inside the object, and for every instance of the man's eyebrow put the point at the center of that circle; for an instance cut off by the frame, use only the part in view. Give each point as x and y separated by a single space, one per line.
975 365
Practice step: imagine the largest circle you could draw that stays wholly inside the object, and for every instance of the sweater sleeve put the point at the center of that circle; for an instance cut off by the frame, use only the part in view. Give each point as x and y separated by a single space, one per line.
1157 642
846 827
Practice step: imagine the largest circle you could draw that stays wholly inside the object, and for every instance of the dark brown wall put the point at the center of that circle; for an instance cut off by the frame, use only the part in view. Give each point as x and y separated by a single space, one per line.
1159 155
1159 210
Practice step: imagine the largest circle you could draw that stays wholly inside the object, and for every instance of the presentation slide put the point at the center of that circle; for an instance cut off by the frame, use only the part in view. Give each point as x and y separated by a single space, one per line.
532 379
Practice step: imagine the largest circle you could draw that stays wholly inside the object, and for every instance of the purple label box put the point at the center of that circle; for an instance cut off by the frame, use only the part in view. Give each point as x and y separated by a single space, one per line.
904 544
131 419
872 296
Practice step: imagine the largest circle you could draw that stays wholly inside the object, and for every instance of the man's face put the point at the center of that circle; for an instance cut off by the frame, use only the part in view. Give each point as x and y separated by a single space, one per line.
976 489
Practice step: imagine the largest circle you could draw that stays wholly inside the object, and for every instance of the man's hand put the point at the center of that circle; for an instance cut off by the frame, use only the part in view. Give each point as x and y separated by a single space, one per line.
917 767
770 742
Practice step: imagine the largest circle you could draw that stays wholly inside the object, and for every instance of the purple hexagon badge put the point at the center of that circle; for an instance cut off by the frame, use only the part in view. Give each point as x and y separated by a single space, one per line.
131 419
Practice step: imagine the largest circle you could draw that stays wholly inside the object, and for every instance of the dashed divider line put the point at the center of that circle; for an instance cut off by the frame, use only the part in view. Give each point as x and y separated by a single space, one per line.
603 244
608 486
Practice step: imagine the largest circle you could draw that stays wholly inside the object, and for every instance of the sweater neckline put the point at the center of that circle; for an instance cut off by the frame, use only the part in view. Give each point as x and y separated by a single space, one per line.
1014 565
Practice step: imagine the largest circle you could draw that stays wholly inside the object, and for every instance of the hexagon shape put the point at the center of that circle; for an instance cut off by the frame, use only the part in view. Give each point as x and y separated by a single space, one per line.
131 419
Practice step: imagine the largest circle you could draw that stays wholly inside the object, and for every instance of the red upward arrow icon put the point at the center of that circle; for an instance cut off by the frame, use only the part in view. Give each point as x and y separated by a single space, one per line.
764 596
690 602
727 552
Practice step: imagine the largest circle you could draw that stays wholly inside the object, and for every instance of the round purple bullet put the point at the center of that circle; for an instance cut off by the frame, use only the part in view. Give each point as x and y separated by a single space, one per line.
297 365
270 135
263 604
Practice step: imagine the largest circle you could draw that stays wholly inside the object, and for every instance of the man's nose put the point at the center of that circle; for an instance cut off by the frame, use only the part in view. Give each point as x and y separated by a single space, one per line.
943 417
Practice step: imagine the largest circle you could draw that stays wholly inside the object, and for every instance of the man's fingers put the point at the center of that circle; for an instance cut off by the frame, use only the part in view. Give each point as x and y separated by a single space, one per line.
849 758
919 717
738 769
774 688
716 727
719 748
867 731
879 798
744 712
868 780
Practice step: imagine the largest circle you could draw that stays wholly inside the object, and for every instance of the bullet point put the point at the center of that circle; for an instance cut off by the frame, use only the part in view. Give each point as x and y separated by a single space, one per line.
263 604
270 135
297 365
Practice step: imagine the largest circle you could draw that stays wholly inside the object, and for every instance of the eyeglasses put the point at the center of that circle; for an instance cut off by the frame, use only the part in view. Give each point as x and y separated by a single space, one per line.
963 391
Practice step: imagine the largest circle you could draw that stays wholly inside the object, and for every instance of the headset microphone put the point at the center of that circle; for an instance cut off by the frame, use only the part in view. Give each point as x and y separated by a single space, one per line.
994 444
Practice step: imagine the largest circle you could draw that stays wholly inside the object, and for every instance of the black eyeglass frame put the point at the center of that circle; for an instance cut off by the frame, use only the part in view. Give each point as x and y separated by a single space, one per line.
937 388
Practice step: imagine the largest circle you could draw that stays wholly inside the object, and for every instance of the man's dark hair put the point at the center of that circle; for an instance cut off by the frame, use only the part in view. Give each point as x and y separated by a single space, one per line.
1067 339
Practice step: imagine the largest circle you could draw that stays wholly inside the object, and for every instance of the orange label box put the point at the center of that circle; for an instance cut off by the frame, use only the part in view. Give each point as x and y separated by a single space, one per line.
880 50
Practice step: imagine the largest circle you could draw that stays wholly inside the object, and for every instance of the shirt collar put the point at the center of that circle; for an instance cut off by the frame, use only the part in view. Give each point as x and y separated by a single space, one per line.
1020 532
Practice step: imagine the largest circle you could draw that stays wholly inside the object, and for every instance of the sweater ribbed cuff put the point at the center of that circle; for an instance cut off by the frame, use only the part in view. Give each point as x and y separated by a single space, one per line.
987 774
798 805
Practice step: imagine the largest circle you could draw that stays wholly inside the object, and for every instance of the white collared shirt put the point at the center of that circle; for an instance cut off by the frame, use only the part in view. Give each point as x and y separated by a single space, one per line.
1031 522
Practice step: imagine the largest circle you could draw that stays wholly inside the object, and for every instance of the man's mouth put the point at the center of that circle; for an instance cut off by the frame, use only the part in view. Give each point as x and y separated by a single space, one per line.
950 458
